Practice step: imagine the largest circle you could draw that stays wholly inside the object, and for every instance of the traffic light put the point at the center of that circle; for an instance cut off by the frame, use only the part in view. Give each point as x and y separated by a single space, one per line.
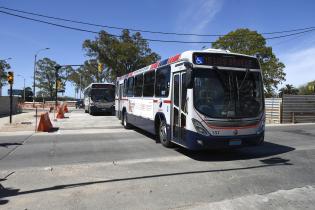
10 77
100 67
59 85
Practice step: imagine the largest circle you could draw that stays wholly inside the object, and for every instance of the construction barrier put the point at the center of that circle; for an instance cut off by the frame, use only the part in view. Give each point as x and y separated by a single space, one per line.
60 113
44 123
65 109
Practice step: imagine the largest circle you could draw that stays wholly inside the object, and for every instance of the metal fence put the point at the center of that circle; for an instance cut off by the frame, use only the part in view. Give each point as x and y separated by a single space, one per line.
298 108
273 110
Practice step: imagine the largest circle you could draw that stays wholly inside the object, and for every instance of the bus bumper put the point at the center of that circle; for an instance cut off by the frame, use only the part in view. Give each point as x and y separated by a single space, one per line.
96 109
196 141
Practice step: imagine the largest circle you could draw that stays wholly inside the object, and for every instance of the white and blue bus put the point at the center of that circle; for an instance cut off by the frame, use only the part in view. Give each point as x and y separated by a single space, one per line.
197 99
99 97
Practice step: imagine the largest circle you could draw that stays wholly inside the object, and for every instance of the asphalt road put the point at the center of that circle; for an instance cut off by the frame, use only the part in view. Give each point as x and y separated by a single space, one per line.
91 162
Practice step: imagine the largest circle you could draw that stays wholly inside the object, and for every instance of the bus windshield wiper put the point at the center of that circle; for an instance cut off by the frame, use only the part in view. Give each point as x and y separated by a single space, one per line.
243 80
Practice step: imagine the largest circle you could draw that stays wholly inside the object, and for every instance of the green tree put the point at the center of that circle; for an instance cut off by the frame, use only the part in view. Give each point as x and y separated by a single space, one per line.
46 78
288 89
28 94
87 74
307 89
120 55
252 43
4 66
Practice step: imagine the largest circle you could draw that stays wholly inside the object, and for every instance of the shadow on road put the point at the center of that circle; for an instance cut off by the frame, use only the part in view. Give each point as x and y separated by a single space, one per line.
10 192
6 145
265 150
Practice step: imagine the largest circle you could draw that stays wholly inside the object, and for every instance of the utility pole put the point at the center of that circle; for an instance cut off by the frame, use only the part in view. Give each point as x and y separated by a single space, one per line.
57 67
80 85
35 60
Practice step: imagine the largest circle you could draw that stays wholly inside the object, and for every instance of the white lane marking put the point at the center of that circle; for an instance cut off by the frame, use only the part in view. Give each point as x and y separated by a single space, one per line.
88 131
83 166
16 133
278 200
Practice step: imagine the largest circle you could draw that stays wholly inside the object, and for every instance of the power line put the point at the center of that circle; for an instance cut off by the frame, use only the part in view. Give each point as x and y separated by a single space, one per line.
95 32
152 40
141 30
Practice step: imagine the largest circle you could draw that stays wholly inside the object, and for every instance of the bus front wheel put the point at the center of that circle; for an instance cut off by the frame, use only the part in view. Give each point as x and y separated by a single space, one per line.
162 135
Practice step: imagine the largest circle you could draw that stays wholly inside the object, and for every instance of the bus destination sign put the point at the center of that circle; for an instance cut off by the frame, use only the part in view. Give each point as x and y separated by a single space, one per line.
224 60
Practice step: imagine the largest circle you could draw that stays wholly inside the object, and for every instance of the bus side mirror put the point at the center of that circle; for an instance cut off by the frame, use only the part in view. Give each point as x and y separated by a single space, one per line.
189 78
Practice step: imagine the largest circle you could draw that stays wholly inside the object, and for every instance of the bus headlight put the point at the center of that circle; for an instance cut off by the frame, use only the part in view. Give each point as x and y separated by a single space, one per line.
199 127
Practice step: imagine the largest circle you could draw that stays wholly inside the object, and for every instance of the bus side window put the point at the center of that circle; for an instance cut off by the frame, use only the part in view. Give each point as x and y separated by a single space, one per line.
130 86
125 88
148 83
138 85
162 84
184 93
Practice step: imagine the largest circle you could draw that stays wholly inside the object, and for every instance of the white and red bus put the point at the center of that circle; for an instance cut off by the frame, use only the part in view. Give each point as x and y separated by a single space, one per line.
99 97
197 99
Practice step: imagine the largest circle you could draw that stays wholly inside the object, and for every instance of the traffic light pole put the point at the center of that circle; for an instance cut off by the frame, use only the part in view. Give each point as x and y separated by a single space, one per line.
56 75
11 101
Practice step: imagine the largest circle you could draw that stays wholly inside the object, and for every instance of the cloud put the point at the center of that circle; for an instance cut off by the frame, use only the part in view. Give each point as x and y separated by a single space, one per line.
196 16
300 66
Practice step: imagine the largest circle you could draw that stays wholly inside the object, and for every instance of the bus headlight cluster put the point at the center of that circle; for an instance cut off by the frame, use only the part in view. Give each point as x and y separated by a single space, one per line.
199 127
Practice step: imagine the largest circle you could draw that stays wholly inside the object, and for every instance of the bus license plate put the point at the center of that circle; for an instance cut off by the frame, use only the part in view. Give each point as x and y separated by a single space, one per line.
235 142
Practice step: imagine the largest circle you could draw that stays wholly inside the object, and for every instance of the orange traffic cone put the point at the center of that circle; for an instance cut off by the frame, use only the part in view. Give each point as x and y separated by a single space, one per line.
44 123
60 114
65 109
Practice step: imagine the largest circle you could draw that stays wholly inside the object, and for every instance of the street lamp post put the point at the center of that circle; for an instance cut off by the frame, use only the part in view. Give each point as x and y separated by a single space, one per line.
35 60
23 87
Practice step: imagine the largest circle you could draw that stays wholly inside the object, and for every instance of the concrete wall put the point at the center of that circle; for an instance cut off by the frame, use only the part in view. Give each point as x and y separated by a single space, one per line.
5 105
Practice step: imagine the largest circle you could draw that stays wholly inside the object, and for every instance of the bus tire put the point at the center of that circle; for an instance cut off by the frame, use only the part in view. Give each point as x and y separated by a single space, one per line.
162 135
259 141
90 111
124 120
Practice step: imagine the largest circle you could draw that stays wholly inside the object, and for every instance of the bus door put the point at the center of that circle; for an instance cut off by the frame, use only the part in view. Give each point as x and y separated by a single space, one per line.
179 109
119 108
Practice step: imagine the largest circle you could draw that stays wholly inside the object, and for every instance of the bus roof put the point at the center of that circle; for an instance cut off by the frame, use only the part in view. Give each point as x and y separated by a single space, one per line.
185 56
98 83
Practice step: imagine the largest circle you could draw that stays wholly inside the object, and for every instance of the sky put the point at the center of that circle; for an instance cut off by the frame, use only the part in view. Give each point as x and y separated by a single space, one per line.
20 39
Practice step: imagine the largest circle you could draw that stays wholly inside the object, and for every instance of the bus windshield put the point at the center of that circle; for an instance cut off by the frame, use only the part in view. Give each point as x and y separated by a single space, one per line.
228 93
102 95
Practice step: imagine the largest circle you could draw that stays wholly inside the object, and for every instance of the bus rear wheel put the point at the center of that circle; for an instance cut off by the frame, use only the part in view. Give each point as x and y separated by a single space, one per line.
162 135
124 121
90 111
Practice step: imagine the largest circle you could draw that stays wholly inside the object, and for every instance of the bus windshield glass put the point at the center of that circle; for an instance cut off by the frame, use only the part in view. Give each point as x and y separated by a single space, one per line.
102 94
228 94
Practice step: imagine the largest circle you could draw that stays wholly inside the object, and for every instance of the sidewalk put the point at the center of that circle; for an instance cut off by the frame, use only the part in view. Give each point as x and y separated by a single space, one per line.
24 121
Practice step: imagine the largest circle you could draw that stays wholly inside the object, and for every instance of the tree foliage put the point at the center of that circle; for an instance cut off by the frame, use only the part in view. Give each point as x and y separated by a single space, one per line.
28 94
288 89
4 66
87 74
46 78
120 55
307 89
252 43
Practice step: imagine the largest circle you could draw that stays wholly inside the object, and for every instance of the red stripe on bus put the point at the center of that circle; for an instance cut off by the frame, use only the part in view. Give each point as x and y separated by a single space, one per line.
155 101
173 59
233 128
167 101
